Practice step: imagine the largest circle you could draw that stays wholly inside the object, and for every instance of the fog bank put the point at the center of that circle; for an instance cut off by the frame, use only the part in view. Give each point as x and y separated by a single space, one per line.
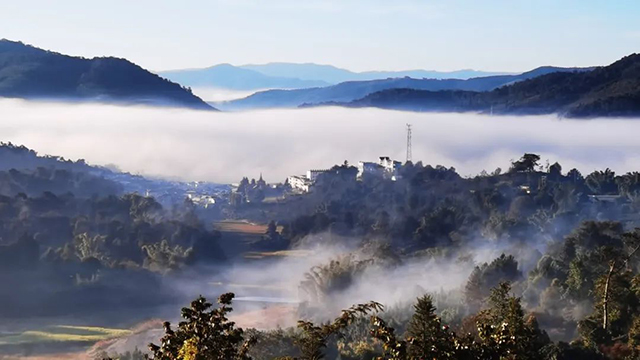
212 94
223 147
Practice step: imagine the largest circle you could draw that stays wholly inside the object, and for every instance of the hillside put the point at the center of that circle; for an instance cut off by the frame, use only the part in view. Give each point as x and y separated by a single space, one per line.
58 175
353 90
226 76
612 90
31 73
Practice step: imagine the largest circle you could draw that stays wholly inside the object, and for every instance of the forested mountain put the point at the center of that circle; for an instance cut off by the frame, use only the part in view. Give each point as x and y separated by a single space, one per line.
353 90
612 90
226 76
31 73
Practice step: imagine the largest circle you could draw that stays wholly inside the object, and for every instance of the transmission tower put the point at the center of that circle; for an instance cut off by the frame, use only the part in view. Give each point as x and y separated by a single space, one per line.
409 155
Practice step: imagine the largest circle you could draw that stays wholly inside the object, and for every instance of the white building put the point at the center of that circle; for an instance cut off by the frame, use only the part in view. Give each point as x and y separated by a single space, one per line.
299 183
201 199
390 166
385 167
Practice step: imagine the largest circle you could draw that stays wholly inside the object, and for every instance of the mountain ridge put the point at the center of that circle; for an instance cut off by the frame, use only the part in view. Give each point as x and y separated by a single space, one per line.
287 76
227 76
612 91
29 72
333 74
353 90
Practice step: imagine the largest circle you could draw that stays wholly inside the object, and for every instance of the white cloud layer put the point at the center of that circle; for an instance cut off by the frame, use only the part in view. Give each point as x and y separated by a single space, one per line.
223 147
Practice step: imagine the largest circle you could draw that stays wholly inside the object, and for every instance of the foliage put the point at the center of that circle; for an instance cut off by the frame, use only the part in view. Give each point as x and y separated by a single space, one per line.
205 333
324 280
315 337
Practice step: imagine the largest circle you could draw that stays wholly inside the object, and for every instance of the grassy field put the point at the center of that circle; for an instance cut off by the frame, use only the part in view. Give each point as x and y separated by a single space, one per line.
62 333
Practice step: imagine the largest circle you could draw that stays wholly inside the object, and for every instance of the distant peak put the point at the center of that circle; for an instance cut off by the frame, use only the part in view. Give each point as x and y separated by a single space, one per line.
12 42
223 65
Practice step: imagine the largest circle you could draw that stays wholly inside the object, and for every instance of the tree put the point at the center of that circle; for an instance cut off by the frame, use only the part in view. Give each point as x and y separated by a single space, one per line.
508 332
602 182
486 276
204 334
555 171
575 175
336 276
612 294
629 184
527 163
315 337
428 337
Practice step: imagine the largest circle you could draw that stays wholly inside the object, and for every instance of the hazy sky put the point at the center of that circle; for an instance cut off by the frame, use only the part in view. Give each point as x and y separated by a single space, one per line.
509 35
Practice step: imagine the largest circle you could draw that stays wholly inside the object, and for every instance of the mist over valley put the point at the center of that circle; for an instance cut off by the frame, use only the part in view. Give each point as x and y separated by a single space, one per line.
320 179
224 147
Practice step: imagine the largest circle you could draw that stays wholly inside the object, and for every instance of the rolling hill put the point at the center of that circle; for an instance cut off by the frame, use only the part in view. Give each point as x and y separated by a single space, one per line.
612 90
31 73
353 90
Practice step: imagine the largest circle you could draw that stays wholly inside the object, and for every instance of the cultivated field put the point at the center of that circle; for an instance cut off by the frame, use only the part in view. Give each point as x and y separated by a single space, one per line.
60 335
240 226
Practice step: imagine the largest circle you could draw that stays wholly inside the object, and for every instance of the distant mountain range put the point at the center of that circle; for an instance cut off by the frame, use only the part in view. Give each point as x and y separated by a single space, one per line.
334 75
31 73
352 90
612 90
294 76
225 76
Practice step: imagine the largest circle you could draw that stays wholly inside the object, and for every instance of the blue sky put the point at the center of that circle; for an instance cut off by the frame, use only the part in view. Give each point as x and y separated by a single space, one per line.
359 35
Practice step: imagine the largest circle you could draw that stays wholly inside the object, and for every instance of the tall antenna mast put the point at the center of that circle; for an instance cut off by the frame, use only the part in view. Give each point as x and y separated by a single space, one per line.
409 155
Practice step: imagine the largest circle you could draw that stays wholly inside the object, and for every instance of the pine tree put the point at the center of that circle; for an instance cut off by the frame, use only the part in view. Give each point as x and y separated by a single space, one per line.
428 338
508 332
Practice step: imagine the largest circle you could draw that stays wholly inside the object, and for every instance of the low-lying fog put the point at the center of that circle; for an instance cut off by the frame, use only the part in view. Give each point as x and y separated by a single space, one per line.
211 94
224 147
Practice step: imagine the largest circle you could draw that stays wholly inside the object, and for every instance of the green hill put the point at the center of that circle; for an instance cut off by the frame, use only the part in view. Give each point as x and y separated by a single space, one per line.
31 73
612 90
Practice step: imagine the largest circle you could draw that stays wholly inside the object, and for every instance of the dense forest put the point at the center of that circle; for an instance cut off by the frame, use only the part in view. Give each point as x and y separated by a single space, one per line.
604 91
79 239
564 287
561 281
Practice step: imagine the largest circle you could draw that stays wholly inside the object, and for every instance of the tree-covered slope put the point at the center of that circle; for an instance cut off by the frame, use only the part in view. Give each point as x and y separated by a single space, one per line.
32 73
612 90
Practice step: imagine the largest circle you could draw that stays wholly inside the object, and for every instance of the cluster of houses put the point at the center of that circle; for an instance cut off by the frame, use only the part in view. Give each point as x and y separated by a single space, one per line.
385 168
169 193
258 191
